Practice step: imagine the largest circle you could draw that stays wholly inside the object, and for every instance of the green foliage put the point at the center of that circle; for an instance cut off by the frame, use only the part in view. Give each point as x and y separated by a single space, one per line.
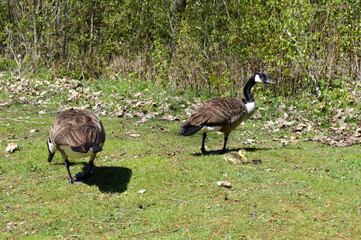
6 64
213 45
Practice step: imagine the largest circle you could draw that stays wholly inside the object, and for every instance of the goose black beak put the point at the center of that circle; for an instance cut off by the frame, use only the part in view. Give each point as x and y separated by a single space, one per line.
269 81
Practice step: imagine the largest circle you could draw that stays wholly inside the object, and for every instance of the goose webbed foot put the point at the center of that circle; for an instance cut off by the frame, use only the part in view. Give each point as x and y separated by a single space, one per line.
70 180
77 180
81 176
204 151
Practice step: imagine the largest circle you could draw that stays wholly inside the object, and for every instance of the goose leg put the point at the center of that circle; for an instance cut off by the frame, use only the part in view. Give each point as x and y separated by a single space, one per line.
84 175
203 142
67 164
91 165
225 143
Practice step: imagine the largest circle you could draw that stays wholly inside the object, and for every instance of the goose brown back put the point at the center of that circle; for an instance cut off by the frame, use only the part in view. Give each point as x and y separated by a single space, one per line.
77 134
77 128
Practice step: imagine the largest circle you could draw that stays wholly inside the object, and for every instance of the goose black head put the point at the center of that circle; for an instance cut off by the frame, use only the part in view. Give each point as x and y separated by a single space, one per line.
262 78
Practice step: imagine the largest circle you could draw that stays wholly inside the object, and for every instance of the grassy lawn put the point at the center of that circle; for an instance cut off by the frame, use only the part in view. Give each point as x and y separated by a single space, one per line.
150 183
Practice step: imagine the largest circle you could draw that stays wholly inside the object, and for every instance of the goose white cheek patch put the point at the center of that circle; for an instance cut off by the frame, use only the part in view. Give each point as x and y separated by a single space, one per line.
52 147
258 79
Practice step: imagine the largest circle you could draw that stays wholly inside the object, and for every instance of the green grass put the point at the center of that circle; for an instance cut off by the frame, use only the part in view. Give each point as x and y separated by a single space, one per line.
304 190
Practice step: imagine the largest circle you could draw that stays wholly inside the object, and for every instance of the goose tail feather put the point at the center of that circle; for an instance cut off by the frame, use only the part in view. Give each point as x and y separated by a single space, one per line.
189 129
85 148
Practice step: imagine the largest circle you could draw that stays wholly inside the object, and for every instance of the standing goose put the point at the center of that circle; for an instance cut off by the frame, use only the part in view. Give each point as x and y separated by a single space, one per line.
76 134
222 113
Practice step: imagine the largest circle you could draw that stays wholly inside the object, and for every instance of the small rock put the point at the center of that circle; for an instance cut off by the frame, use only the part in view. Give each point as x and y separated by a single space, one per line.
12 147
224 184
142 191
134 135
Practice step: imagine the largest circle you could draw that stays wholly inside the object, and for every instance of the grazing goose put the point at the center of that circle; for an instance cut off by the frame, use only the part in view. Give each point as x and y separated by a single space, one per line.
222 113
76 134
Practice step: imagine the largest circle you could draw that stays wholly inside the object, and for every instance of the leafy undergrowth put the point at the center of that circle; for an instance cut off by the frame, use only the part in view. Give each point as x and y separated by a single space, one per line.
150 183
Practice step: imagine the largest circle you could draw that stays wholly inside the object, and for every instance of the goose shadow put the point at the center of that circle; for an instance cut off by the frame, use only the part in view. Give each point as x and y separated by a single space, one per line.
252 149
110 179
220 152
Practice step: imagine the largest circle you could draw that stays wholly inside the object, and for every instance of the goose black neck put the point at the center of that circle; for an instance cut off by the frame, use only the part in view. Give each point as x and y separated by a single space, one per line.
247 90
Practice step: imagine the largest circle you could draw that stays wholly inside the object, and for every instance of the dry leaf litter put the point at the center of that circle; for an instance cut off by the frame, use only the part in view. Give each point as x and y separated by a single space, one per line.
293 123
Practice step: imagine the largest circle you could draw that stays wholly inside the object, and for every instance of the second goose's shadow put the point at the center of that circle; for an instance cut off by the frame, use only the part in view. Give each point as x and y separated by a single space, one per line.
251 149
220 152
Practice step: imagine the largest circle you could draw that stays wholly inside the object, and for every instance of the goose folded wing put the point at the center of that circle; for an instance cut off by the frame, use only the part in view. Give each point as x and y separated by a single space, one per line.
217 112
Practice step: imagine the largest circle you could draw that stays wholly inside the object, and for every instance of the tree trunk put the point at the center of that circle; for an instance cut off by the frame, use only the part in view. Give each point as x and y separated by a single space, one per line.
64 29
179 6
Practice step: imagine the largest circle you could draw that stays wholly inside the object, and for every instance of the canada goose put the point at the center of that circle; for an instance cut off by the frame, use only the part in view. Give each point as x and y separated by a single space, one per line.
223 113
76 134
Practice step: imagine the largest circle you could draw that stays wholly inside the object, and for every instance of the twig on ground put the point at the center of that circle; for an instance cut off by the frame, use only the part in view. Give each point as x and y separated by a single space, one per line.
51 176
173 199
140 233
17 120
175 230
246 166
144 207
182 199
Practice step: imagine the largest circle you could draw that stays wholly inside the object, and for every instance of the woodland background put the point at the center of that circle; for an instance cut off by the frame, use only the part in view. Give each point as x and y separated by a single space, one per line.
214 45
